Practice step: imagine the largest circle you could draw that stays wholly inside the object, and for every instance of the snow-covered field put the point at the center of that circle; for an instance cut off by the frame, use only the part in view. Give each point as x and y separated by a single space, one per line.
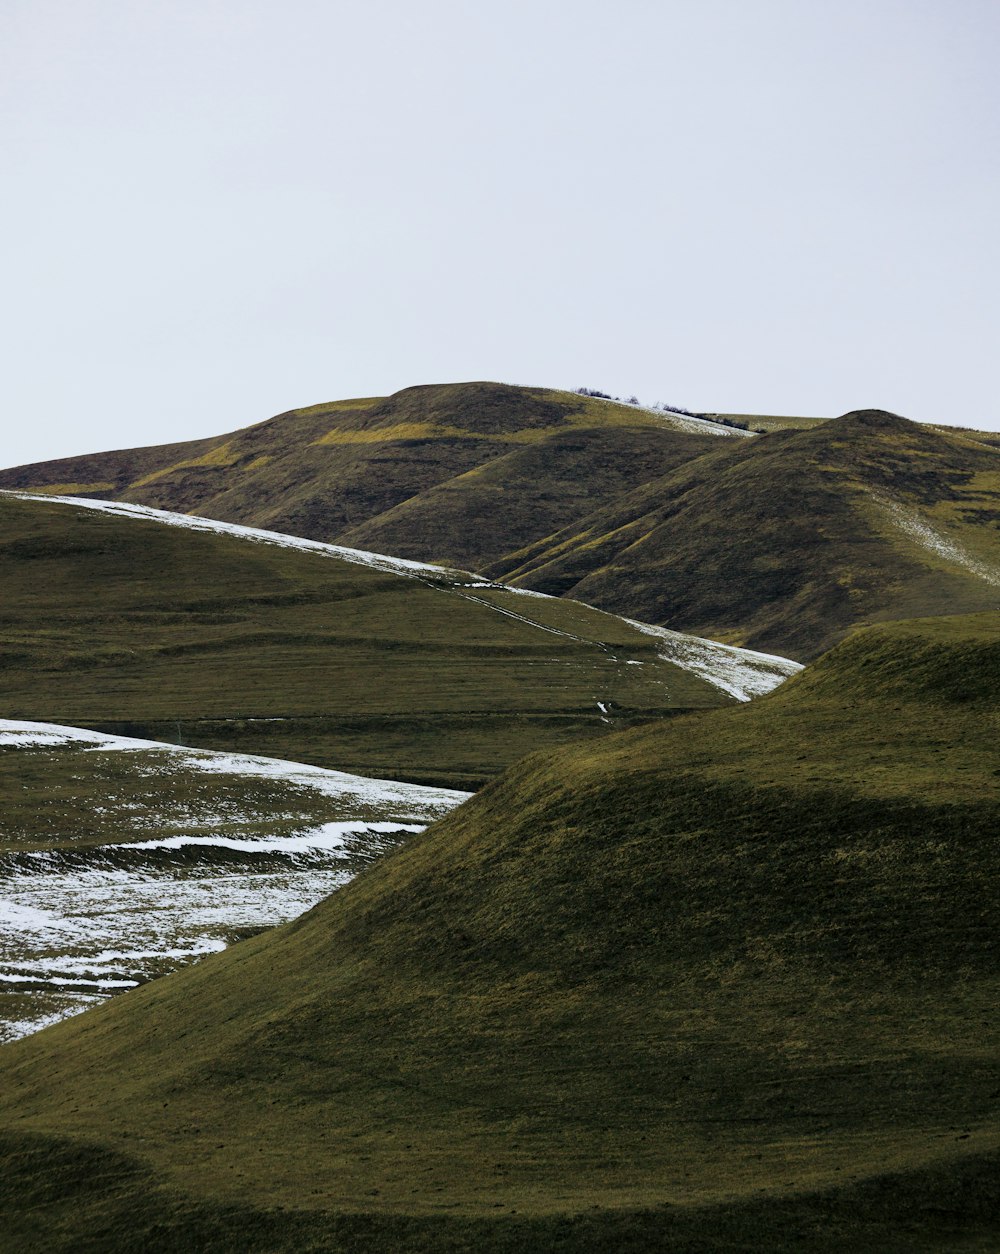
81 921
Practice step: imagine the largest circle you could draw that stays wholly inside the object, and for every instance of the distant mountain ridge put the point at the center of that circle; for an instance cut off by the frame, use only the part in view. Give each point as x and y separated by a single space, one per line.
780 542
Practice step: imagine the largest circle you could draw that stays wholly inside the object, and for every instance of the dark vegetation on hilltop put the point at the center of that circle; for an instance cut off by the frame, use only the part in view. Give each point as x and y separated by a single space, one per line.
781 542
726 983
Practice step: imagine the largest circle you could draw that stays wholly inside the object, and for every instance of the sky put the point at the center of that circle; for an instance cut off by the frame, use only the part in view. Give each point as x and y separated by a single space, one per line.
217 210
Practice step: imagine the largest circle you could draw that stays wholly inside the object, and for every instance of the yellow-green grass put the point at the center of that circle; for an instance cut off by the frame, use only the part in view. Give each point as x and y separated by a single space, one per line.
769 422
76 489
169 634
725 983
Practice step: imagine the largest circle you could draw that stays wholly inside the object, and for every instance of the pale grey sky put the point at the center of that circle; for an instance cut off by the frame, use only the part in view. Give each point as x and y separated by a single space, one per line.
219 209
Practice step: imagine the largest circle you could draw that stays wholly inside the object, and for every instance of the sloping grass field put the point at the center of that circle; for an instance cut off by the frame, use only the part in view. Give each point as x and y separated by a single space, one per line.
725 983
781 541
145 629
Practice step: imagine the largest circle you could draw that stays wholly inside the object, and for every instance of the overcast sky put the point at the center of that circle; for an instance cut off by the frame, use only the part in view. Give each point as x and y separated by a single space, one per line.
220 209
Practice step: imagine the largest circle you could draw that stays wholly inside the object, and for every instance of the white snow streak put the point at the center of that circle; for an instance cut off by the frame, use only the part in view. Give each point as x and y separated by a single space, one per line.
357 557
352 789
919 529
743 673
328 837
677 422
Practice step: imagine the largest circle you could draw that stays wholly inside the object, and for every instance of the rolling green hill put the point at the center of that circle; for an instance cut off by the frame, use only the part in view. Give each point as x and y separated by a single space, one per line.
786 541
781 541
724 983
327 470
127 623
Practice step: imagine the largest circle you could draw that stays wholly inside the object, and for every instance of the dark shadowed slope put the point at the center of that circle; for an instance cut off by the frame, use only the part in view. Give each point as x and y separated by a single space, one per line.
725 983
145 626
786 541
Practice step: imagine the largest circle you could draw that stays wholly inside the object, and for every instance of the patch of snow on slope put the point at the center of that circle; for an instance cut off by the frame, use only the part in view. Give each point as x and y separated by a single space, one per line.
358 557
329 836
69 1005
16 734
678 422
26 918
920 530
420 800
743 673
74 930
697 426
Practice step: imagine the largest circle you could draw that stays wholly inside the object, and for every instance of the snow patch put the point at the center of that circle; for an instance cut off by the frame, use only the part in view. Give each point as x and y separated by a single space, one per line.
419 799
743 673
22 918
16 734
357 557
329 836
910 522
75 932
678 422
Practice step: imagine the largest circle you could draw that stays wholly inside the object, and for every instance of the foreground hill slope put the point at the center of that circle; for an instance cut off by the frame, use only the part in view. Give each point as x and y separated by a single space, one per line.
725 983
171 628
786 541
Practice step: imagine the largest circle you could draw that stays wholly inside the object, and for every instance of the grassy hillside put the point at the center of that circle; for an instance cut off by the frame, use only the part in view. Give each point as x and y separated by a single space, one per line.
159 631
781 541
725 983
786 541
328 470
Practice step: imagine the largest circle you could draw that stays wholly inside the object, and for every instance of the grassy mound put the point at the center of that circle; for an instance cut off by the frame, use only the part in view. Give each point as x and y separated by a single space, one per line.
341 471
727 982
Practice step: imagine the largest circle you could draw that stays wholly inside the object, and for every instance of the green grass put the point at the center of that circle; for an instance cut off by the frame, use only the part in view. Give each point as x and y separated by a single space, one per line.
778 543
159 632
773 542
727 982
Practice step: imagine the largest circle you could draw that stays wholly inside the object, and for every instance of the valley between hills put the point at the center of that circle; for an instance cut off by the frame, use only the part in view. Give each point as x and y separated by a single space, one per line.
493 818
